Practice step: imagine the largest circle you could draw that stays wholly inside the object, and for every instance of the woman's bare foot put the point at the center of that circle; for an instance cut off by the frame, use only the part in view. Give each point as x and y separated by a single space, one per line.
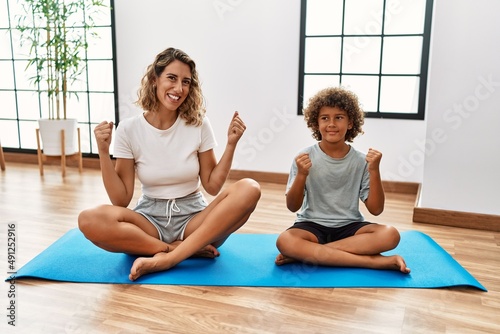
282 259
147 265
161 261
208 251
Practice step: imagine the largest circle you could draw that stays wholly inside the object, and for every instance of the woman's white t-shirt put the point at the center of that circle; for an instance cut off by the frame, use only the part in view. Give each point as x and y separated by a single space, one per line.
166 161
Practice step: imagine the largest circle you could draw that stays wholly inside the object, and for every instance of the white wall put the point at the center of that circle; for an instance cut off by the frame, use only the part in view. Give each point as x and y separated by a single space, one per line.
462 164
247 57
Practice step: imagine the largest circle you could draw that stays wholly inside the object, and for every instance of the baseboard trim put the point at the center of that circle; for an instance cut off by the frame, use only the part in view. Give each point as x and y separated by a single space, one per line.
477 221
28 158
268 177
400 187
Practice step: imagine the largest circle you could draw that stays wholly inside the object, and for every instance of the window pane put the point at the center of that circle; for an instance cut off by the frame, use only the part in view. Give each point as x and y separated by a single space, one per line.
314 83
28 134
102 106
76 19
399 94
85 138
80 84
9 135
365 87
102 17
24 76
363 17
21 48
8 104
100 76
100 46
6 78
322 55
15 8
361 55
27 104
402 55
327 17
78 107
5 52
4 22
404 17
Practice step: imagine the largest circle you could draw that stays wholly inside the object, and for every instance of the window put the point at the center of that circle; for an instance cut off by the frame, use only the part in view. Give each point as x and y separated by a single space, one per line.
379 49
22 106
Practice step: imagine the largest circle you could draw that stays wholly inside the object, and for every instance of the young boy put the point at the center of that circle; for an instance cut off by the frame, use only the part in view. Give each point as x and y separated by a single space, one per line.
325 184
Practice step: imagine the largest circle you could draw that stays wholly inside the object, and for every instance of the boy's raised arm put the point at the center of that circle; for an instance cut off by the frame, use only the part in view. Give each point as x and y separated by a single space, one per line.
376 198
295 195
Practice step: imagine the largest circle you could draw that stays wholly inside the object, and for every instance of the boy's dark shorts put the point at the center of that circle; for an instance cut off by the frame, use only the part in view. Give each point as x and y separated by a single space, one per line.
330 234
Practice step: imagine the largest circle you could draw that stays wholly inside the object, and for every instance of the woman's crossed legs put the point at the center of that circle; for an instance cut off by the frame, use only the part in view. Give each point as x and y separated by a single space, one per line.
119 229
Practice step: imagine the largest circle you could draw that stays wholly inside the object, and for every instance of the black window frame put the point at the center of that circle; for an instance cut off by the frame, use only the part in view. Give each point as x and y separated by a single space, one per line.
424 63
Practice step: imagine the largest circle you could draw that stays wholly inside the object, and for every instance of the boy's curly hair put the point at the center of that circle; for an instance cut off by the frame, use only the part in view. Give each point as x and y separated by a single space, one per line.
335 97
192 109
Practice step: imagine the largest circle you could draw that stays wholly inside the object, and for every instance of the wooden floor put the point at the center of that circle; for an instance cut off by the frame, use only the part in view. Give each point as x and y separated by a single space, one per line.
44 208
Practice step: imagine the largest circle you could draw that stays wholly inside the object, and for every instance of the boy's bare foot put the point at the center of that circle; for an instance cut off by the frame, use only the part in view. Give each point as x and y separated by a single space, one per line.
402 265
394 262
282 259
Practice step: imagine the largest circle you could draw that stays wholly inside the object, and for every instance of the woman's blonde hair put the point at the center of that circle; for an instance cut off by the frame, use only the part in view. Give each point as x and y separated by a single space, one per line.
192 109
335 97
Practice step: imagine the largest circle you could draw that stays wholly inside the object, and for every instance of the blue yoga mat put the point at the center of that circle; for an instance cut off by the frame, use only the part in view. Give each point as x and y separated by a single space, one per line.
248 260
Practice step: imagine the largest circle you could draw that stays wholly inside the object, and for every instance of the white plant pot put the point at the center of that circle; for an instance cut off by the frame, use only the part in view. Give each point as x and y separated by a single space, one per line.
50 131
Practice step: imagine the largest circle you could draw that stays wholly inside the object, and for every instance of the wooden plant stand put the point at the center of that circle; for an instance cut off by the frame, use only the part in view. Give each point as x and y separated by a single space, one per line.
2 158
43 158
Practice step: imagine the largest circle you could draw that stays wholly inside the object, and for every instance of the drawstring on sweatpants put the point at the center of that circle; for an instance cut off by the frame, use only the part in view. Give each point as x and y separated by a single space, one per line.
171 207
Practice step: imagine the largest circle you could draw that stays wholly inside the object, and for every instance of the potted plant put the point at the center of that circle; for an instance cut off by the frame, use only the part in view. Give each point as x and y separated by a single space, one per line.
56 33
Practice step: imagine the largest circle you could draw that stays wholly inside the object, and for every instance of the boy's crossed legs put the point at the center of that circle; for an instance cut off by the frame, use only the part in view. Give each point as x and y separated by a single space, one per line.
310 243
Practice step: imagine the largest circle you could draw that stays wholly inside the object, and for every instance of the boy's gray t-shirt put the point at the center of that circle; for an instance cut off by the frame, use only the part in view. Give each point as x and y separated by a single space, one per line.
333 188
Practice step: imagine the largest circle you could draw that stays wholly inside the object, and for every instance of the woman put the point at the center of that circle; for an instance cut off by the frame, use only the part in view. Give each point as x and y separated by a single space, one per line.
170 146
